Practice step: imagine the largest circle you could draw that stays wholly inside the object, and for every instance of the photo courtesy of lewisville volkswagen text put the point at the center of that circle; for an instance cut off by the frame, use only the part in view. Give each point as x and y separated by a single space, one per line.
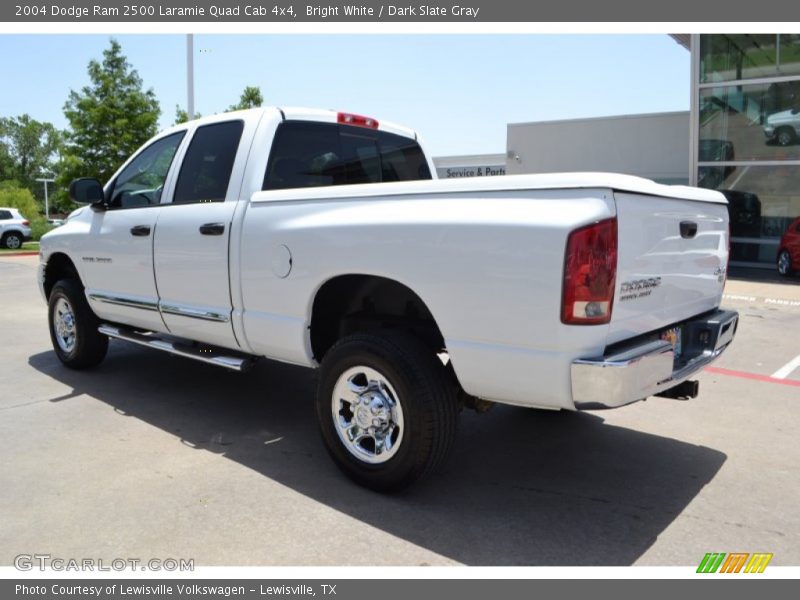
341 301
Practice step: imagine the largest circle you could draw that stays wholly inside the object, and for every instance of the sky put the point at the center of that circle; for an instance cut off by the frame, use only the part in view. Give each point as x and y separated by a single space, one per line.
458 91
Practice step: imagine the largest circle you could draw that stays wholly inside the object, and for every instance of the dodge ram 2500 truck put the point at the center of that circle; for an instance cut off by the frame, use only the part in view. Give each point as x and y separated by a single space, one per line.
320 239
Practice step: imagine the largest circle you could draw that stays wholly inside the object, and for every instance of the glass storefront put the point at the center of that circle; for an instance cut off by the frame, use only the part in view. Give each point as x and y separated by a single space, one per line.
747 122
748 56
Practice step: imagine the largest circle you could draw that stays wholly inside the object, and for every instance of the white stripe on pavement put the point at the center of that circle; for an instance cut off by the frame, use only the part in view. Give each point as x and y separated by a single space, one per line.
786 369
746 298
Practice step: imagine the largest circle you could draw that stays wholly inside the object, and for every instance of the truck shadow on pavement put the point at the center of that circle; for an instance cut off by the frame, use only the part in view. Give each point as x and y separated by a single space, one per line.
523 487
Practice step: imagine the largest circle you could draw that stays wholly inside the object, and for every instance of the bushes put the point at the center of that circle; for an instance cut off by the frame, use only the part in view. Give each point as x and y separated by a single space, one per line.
39 227
13 196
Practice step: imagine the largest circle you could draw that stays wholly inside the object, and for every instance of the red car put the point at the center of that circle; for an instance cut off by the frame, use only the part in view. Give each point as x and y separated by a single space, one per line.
789 250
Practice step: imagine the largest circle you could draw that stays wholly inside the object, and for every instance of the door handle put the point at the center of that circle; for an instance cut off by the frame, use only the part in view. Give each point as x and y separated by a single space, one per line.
688 229
212 229
140 230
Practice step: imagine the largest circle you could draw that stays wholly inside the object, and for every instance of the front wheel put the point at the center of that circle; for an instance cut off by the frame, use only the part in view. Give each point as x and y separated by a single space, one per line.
784 263
387 409
73 327
12 241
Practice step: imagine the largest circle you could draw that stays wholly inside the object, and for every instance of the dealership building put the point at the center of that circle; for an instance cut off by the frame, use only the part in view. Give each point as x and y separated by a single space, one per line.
744 119
741 136
655 146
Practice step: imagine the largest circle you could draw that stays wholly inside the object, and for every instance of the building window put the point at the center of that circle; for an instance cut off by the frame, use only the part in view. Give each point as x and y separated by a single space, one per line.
747 124
748 56
750 122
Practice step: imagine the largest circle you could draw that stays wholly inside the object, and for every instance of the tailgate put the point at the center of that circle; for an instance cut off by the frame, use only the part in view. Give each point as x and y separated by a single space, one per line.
672 258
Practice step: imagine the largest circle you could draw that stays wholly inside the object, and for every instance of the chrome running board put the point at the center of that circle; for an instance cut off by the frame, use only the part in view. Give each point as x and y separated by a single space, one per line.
208 354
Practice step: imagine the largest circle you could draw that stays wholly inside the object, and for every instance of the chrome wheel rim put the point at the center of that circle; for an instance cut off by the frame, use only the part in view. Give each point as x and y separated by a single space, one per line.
13 242
783 263
64 325
784 138
367 415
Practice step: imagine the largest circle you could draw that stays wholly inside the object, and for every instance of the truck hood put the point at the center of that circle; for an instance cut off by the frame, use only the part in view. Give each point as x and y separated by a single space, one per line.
75 213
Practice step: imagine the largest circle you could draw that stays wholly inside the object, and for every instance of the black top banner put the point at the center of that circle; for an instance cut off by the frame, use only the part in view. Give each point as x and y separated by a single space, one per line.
474 11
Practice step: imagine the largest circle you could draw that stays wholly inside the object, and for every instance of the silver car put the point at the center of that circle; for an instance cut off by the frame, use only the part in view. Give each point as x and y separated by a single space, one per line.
783 127
14 228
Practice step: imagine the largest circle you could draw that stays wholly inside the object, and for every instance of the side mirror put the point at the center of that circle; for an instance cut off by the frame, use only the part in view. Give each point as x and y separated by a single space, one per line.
87 191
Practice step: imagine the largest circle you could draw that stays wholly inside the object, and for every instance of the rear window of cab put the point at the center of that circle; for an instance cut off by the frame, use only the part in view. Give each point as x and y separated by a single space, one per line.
309 154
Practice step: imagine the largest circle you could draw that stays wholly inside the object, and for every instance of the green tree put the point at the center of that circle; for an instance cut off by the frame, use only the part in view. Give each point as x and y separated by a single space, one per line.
28 150
181 116
251 98
7 169
109 119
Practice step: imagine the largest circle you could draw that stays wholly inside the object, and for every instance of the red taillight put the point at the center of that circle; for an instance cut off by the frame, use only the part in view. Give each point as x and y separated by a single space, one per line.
26 223
357 120
590 274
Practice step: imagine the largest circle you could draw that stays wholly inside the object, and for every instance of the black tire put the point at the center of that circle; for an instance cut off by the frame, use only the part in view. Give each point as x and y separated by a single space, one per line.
89 346
785 136
785 269
425 392
12 240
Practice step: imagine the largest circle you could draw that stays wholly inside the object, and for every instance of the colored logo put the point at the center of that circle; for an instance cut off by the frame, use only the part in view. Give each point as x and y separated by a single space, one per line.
734 562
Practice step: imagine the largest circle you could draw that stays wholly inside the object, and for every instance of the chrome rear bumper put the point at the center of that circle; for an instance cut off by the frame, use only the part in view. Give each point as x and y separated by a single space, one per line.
649 367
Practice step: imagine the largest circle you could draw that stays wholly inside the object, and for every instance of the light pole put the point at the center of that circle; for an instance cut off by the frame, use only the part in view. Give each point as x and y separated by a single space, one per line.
190 75
45 181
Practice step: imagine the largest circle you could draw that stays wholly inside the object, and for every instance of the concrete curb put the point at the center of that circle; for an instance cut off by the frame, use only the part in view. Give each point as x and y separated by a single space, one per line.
26 253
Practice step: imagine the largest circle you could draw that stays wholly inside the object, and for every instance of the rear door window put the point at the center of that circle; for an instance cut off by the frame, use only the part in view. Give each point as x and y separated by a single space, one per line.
308 154
206 170
5 215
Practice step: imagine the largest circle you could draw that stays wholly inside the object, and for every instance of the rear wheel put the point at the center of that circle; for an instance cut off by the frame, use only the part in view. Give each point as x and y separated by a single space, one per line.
12 240
784 263
73 327
387 409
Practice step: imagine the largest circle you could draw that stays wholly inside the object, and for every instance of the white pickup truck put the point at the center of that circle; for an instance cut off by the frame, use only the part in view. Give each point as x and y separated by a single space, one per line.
319 239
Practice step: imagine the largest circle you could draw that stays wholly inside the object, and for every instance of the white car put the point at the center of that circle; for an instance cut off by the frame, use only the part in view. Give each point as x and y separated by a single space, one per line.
14 229
321 239
783 127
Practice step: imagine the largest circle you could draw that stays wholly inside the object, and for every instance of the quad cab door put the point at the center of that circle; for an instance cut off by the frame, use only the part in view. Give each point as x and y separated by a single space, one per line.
116 258
193 235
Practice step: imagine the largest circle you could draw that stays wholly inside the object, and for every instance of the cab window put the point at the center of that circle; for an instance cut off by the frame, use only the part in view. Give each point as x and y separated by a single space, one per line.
206 170
309 154
142 181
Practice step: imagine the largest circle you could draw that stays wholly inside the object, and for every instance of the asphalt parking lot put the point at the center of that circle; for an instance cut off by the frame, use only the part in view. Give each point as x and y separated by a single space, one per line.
153 456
